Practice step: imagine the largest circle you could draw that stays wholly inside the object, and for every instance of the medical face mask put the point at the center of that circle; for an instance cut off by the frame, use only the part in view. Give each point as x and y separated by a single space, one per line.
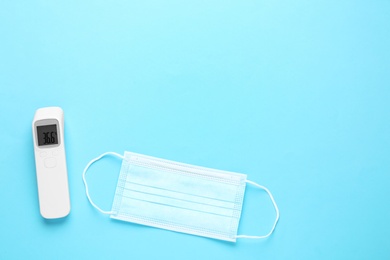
179 197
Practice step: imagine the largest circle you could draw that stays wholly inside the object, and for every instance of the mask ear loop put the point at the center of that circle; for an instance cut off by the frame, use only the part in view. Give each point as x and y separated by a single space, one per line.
276 210
85 181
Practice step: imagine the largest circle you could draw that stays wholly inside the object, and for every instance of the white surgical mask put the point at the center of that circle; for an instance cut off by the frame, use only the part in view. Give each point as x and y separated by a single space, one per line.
179 197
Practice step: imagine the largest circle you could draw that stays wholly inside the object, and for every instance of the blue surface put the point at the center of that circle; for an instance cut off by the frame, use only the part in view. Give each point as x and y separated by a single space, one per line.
294 94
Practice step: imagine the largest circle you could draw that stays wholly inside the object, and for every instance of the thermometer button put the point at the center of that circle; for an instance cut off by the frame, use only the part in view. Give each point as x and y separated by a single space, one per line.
43 154
55 153
50 162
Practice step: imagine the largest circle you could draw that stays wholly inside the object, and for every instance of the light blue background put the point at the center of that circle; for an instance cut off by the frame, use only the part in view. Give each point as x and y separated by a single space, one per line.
294 94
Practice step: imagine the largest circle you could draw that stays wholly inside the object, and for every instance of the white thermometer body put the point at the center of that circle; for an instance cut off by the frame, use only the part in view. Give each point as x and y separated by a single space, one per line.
50 162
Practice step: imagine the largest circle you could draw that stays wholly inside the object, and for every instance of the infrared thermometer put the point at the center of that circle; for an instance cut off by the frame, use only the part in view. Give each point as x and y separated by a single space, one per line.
50 162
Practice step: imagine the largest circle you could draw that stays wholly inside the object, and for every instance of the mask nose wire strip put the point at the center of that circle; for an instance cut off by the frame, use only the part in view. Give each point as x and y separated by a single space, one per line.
276 209
85 181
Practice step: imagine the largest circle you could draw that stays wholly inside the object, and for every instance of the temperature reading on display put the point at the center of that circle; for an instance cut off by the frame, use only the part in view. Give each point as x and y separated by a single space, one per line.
49 137
47 134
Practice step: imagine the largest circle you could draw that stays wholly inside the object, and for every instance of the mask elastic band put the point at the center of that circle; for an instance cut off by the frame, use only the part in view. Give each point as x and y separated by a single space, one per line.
85 181
276 209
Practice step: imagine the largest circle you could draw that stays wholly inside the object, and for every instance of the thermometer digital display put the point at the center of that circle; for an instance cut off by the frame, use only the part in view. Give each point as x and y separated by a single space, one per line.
47 134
